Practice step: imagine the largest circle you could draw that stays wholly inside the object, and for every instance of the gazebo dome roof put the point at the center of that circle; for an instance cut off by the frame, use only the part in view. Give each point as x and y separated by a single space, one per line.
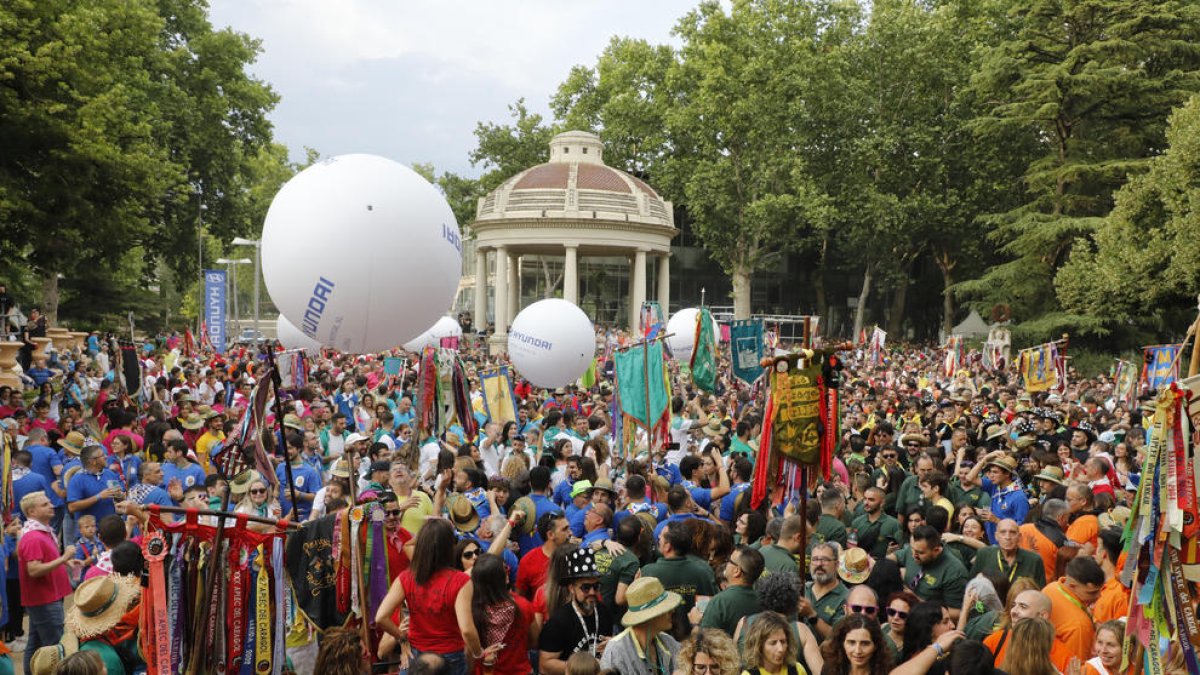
576 185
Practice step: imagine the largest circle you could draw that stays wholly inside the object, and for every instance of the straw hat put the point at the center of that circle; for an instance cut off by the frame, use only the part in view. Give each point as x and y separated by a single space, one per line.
46 659
996 431
605 485
340 469
241 483
73 442
714 427
647 599
100 602
913 438
526 506
463 514
292 421
854 565
1004 462
1054 474
206 412
193 422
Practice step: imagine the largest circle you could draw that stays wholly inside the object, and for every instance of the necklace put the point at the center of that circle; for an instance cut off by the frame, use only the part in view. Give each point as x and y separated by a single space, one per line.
595 633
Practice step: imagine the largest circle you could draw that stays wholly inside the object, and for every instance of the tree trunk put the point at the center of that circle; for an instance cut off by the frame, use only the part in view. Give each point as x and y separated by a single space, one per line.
818 283
895 322
49 297
741 292
863 296
551 284
947 269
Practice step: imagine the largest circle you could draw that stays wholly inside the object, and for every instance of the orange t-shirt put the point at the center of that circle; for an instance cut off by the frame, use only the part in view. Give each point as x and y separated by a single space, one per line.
1060 654
1033 540
1072 622
1113 602
1085 530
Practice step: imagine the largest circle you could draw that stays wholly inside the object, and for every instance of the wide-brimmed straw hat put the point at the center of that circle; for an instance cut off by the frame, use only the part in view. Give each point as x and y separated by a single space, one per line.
1054 474
241 483
526 506
73 442
192 422
647 599
854 565
100 602
996 431
46 659
463 514
1004 462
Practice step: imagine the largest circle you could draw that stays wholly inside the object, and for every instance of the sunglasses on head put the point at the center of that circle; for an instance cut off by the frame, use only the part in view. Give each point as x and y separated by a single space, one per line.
899 614
869 610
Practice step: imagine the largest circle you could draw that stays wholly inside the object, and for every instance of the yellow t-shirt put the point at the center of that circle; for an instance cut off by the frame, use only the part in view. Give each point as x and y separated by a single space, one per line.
782 671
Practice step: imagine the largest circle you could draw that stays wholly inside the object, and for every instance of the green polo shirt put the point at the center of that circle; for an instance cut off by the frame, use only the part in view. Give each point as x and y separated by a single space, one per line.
975 496
1029 564
964 553
686 576
942 581
615 570
829 529
884 531
980 626
831 606
777 559
910 495
729 607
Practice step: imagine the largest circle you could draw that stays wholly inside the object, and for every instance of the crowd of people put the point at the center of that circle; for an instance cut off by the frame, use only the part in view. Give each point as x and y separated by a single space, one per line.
966 527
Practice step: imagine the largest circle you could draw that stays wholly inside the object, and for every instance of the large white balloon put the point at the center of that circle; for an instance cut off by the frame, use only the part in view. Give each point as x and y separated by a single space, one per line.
293 338
683 326
551 343
361 253
444 328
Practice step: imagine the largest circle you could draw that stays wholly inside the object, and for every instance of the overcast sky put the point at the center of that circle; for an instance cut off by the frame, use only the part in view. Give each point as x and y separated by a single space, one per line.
409 80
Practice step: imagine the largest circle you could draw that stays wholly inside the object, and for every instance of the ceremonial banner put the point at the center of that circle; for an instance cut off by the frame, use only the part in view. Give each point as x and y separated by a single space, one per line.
392 365
131 371
796 401
746 343
642 384
954 355
703 363
1162 366
878 340
498 399
1125 381
214 308
244 448
1039 367
651 319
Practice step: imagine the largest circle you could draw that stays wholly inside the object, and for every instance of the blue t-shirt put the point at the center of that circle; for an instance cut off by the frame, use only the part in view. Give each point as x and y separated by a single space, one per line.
157 495
307 481
189 475
31 482
542 506
729 500
44 461
575 516
595 536
673 518
702 496
85 485
670 472
131 468
1012 502
562 492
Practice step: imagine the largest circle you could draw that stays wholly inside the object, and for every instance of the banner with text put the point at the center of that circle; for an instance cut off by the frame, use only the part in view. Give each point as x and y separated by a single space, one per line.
214 308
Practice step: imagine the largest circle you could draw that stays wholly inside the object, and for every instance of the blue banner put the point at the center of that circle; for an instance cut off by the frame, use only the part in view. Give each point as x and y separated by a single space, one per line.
1162 365
746 347
214 308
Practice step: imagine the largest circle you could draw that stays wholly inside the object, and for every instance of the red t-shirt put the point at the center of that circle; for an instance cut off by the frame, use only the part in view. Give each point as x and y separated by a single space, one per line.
531 572
514 658
397 558
432 621
54 586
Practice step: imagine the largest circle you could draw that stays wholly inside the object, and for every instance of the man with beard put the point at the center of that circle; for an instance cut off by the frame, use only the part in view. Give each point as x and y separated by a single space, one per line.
581 625
874 529
910 490
932 574
825 596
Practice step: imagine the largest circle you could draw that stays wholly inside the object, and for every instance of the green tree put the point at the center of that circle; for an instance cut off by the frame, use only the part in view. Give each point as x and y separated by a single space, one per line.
1091 82
1142 268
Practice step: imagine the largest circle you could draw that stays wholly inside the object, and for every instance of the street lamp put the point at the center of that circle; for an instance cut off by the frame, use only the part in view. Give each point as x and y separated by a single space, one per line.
233 263
241 241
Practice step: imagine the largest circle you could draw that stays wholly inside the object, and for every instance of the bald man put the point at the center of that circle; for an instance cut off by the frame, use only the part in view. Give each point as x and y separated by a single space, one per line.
862 600
1007 558
1027 605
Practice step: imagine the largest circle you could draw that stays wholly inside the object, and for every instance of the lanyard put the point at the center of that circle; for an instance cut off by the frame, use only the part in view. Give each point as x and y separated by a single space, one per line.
595 635
1000 562
1075 601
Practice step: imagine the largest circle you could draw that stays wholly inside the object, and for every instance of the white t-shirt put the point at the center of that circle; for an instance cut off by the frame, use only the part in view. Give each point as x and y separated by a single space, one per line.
429 457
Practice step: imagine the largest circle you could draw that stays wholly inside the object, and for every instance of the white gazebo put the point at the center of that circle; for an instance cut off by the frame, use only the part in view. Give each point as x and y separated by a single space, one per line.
571 206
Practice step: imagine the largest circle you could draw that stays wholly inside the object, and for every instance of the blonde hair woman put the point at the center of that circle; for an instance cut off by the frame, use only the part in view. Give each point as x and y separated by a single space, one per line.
771 647
706 652
1029 648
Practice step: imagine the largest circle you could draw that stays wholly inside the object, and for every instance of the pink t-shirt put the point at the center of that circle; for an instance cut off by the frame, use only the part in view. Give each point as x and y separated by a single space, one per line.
39 546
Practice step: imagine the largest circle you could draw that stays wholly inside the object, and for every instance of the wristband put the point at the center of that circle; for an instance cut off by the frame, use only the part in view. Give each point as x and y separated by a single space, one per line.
938 648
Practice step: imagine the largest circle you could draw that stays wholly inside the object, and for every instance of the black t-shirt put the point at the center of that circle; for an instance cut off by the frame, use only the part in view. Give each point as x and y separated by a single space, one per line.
564 633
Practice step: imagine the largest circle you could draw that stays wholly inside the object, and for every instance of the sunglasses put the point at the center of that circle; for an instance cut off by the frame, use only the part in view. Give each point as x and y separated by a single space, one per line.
469 554
889 456
899 614
395 513
869 610
590 586
258 491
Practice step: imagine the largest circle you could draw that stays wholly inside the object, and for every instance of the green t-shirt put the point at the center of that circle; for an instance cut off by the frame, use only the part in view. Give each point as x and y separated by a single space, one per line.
975 496
1029 564
686 576
943 581
777 559
730 606
831 606
112 661
964 553
615 570
910 495
875 537
828 529
982 625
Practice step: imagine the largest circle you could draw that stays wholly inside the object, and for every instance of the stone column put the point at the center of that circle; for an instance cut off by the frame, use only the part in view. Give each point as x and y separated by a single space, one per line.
501 288
637 287
664 283
571 274
514 287
481 290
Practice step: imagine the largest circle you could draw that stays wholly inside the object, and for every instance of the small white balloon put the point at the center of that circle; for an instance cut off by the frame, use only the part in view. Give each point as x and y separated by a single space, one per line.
552 343
682 325
444 328
293 338
361 253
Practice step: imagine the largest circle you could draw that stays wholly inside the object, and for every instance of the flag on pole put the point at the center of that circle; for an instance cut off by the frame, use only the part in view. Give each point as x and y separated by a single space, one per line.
954 355
642 383
1039 367
651 319
746 343
1125 379
703 363
588 380
1162 365
498 399
878 341
244 448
